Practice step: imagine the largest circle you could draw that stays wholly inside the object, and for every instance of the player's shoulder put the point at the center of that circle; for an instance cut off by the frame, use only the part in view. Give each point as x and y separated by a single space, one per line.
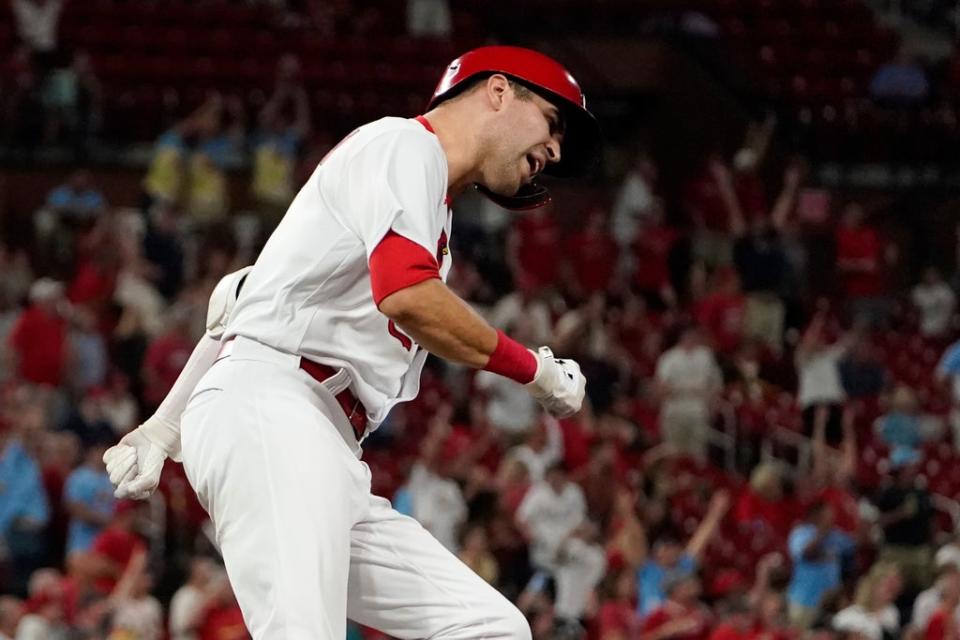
393 124
399 133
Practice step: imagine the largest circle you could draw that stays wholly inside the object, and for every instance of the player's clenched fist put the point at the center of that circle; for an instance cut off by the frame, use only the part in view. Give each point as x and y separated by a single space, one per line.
558 385
135 463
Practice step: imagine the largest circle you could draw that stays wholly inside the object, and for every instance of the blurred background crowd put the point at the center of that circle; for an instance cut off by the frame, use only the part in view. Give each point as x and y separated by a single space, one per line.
760 283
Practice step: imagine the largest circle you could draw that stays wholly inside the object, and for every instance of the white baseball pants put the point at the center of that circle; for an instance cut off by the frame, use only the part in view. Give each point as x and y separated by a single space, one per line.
306 545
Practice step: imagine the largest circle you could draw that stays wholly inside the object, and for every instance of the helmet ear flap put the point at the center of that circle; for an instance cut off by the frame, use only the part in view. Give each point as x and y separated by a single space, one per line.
530 196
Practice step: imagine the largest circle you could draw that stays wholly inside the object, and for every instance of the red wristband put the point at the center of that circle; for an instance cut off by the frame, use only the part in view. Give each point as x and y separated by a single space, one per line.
512 360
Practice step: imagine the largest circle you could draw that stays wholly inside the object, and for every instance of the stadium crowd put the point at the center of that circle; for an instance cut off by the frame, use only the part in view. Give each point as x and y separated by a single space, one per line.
668 508
767 451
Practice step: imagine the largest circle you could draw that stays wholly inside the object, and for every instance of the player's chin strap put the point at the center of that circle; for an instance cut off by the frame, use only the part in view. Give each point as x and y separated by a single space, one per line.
530 196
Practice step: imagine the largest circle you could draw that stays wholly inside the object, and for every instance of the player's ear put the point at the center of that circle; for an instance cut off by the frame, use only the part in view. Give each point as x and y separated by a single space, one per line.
497 87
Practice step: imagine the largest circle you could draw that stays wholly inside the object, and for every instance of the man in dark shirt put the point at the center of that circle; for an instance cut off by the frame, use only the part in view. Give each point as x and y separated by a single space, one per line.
761 261
906 515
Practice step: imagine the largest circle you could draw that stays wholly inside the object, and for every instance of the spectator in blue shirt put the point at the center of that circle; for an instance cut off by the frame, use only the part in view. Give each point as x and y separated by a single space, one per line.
77 201
88 494
948 375
23 503
899 428
818 550
669 560
901 81
24 510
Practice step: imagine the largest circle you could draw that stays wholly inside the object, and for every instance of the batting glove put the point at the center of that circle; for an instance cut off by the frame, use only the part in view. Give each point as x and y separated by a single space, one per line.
558 385
135 463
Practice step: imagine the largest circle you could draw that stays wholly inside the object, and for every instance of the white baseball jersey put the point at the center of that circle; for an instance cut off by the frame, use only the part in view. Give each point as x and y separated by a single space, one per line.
309 292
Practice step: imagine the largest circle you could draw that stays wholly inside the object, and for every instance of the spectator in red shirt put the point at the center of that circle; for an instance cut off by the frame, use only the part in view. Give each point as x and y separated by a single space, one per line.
861 257
94 281
533 250
709 197
737 623
704 196
943 623
651 257
722 312
39 336
770 617
473 444
763 507
221 618
682 616
115 546
592 255
166 356
617 618
597 481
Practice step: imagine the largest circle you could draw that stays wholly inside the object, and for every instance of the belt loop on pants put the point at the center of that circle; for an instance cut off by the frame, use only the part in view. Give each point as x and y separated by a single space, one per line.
350 404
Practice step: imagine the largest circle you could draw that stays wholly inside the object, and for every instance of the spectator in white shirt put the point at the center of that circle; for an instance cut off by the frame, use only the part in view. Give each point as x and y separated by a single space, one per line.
509 407
936 302
820 393
37 22
873 613
136 613
542 448
550 513
189 599
44 616
528 315
437 501
580 567
635 201
429 18
927 602
688 381
553 517
949 554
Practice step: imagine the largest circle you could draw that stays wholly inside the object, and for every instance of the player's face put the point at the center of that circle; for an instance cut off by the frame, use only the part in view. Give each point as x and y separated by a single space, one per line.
525 139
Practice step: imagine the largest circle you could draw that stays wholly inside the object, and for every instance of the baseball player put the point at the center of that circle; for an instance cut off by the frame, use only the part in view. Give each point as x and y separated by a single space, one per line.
331 329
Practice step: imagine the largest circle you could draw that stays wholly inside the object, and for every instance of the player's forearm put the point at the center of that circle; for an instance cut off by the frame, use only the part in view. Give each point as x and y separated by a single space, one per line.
442 323
202 358
164 424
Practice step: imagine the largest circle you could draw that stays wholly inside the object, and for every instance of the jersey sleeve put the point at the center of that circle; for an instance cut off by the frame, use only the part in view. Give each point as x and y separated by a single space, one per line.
395 181
397 263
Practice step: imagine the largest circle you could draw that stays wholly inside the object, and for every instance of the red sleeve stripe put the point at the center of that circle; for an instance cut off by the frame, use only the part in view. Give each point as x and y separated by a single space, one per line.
397 263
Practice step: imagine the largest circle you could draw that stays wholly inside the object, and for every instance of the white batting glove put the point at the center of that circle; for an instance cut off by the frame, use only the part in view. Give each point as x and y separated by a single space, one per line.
558 385
135 463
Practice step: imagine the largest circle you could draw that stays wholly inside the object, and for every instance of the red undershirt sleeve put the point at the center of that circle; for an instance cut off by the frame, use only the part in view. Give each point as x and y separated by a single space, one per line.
397 263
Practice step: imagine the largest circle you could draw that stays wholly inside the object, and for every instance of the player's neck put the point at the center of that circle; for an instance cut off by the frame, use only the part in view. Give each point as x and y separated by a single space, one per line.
459 144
